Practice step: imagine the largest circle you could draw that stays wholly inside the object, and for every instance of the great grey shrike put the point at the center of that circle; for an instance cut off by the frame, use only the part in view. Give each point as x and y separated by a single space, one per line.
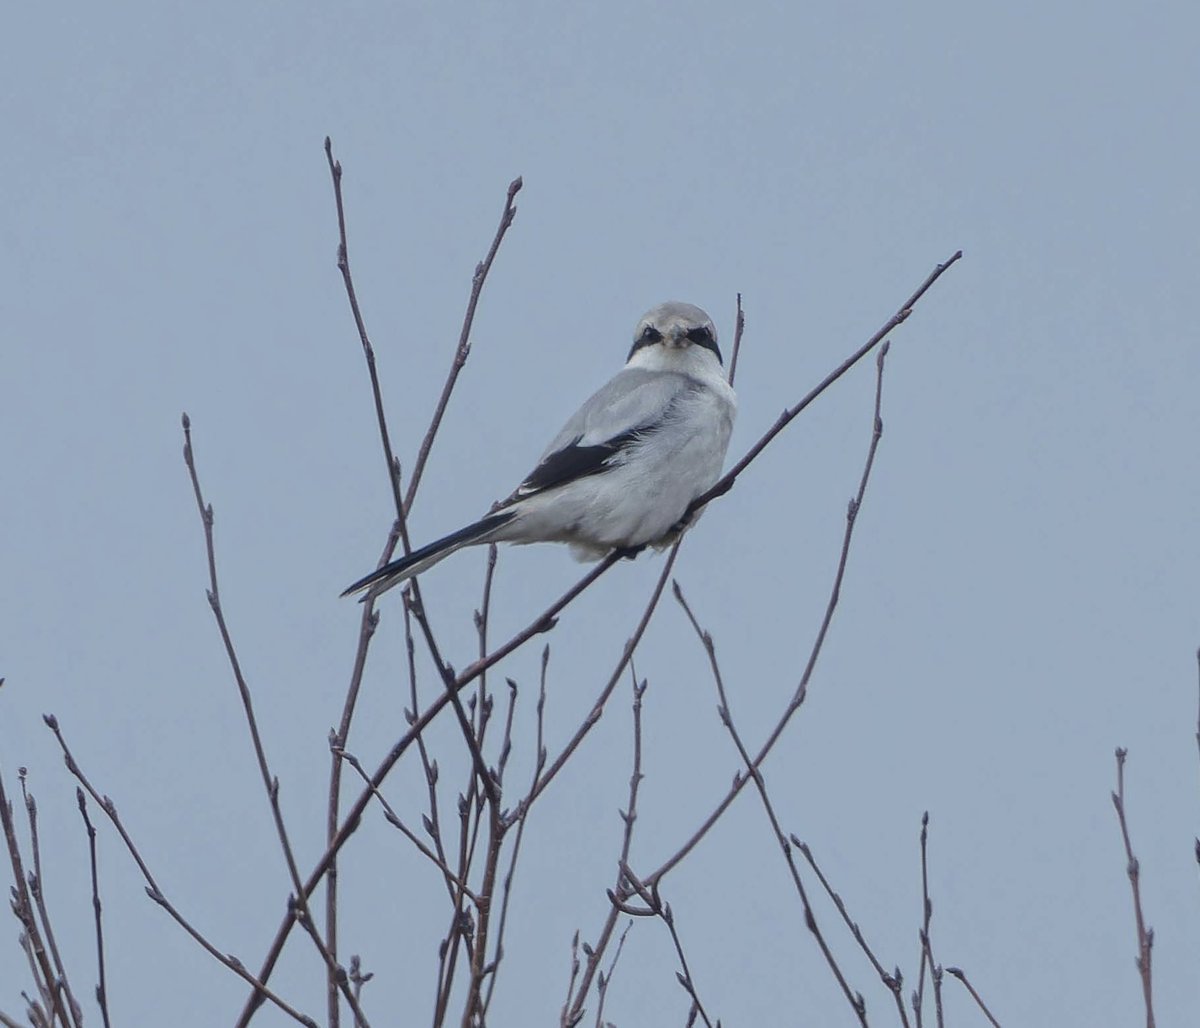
626 465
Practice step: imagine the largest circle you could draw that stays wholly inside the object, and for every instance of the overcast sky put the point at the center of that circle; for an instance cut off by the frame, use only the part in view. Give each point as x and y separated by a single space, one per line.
1022 592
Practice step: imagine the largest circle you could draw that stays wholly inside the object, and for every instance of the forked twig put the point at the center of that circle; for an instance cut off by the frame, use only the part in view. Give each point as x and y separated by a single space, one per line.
656 906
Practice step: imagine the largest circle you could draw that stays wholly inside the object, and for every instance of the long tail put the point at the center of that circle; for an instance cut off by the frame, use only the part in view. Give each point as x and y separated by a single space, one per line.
404 568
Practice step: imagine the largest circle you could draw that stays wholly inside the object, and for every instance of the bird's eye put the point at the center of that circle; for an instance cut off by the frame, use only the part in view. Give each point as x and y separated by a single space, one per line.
650 334
700 336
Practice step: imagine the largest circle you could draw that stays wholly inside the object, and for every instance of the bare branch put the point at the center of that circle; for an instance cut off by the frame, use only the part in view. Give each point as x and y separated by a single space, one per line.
935 970
270 782
662 910
957 972
628 818
37 890
396 822
605 980
343 263
546 621
464 340
542 623
726 483
853 997
1145 936
22 907
519 819
597 710
801 692
156 893
739 328
893 980
102 986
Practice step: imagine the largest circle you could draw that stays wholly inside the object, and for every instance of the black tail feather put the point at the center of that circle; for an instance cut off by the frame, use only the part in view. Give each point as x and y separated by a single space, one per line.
394 572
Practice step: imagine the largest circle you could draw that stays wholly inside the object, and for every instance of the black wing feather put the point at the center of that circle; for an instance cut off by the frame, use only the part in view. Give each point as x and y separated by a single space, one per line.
574 462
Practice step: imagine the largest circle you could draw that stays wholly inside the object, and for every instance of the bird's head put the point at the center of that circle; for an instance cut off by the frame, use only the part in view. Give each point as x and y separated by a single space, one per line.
672 334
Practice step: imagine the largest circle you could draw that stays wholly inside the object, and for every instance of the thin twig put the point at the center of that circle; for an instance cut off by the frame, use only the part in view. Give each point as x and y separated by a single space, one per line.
368 618
432 821
102 986
37 890
464 340
957 972
343 263
546 621
565 1018
542 623
597 711
402 504
1145 936
22 907
446 672
853 997
801 692
395 821
628 819
519 819
603 981
156 893
270 782
726 482
738 329
893 980
935 969
657 907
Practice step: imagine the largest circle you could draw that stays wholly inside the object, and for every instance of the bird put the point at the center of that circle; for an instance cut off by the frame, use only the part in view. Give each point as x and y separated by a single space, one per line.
622 472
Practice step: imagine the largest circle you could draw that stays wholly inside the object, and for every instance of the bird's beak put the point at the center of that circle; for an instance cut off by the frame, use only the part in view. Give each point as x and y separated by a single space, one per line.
677 338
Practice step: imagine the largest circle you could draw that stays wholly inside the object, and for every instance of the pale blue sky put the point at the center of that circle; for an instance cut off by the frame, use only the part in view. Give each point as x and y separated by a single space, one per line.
1022 595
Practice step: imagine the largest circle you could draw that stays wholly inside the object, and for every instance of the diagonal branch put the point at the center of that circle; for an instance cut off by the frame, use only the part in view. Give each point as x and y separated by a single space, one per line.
726 482
156 893
542 623
802 689
893 980
957 972
464 341
270 782
853 997
546 622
